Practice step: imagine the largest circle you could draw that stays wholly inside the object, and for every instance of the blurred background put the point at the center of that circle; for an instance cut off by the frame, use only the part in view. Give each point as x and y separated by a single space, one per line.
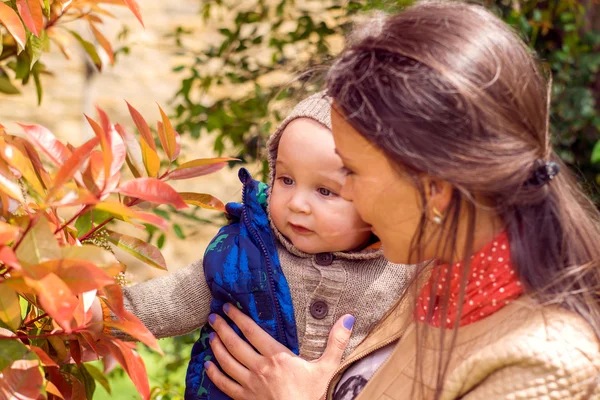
226 72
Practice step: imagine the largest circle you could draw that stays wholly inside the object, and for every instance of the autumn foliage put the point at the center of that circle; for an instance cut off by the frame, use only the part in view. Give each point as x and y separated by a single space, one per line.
57 242
29 27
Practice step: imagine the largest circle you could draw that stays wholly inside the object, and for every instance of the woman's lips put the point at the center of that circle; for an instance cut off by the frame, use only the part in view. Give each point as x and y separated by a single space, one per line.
300 229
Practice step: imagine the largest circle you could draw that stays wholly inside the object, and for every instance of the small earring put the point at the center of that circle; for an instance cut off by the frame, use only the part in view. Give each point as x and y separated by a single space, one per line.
438 217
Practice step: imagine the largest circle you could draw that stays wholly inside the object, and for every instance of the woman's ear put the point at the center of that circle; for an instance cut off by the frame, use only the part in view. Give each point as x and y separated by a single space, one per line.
438 194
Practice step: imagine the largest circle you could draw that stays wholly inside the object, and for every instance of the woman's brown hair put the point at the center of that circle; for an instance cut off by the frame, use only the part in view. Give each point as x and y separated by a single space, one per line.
449 90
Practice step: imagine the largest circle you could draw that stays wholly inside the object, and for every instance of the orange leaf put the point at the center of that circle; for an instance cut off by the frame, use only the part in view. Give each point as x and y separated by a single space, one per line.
72 165
142 126
31 13
10 310
167 136
8 233
104 120
150 158
79 275
137 330
139 249
123 211
203 200
10 19
103 42
10 187
27 149
135 9
55 298
104 144
23 380
153 190
133 364
16 159
45 141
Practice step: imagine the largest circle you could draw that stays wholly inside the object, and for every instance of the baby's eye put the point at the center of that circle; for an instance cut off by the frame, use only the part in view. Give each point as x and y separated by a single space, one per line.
325 192
287 181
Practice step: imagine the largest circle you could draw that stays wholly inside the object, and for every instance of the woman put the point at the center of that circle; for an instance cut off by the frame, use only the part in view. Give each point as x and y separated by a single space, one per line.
441 117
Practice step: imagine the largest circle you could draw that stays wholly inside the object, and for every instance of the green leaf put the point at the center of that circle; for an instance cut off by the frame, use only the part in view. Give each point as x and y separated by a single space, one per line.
34 49
139 249
83 224
38 86
161 241
596 153
6 85
98 376
11 350
46 9
89 49
178 231
1 43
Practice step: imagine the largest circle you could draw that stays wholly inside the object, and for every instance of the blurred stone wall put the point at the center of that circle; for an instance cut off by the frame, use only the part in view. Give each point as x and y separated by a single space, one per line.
144 77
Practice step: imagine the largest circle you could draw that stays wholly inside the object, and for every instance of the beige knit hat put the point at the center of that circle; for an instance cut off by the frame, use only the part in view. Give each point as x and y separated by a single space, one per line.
316 107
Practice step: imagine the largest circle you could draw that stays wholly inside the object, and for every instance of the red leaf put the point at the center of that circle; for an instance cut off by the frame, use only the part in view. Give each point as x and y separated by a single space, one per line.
142 126
75 350
134 157
94 176
10 19
153 190
72 165
139 249
45 141
22 380
133 364
31 13
9 258
118 150
193 172
135 9
43 356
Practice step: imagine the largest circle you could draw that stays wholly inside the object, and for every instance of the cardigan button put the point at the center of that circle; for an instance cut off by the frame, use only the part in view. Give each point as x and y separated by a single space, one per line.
324 259
319 309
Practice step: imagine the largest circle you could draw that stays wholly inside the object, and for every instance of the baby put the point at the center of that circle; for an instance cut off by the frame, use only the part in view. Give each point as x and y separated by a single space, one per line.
297 258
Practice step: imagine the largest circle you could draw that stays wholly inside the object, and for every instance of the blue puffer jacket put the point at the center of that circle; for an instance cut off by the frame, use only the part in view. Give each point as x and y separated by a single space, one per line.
242 267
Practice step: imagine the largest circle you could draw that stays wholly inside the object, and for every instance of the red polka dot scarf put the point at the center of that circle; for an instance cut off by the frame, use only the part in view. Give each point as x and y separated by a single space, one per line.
492 283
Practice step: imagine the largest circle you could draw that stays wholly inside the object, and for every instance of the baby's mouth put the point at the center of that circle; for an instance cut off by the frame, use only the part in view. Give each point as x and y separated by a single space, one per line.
299 229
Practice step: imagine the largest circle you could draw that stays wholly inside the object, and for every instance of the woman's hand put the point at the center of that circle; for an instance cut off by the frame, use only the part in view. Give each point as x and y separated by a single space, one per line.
273 372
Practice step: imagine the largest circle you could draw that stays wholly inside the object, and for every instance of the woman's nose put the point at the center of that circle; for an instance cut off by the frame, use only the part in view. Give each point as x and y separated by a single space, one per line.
346 192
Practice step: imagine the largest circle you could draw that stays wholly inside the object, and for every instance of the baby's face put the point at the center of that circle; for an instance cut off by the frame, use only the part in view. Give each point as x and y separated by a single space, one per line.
305 204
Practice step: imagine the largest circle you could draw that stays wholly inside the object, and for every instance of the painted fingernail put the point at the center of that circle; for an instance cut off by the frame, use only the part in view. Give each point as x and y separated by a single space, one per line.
226 308
206 365
349 322
211 337
212 318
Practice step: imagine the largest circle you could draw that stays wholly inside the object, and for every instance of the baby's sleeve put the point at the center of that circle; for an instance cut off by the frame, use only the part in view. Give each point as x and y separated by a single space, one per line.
170 305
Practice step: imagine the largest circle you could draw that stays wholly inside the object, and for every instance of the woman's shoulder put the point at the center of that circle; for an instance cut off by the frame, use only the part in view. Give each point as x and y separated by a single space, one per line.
538 350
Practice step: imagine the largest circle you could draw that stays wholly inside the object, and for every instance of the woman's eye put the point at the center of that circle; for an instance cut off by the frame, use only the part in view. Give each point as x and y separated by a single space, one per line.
287 181
325 192
347 171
